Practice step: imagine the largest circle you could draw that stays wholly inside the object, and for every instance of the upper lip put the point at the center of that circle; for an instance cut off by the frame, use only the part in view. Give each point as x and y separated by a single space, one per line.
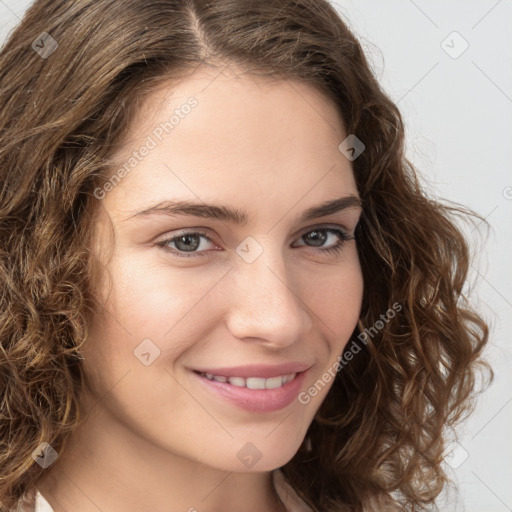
257 370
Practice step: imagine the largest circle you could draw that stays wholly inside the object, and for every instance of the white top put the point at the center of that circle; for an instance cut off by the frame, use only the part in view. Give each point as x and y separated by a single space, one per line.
288 496
41 505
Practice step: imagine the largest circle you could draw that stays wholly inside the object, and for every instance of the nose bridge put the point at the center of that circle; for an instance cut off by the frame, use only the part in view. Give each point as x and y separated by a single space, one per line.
266 305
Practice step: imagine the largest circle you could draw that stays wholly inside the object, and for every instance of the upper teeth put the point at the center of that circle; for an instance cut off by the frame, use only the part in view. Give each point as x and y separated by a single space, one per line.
253 382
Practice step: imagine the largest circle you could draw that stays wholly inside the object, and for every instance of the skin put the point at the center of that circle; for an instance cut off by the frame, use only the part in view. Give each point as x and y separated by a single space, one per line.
153 439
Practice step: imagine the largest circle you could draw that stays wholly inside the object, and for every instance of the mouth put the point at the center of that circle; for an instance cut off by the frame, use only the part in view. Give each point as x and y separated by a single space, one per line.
253 394
251 382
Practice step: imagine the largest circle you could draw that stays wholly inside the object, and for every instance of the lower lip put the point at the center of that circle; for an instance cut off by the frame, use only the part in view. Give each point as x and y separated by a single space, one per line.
256 400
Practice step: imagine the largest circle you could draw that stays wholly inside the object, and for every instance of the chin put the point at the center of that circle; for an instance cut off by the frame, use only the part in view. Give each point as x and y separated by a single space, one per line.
259 455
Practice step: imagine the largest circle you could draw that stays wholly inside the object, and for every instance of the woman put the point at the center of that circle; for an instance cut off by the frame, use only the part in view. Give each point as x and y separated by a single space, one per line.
171 343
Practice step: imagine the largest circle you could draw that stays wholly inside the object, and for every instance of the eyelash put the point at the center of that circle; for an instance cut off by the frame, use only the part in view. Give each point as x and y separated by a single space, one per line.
343 237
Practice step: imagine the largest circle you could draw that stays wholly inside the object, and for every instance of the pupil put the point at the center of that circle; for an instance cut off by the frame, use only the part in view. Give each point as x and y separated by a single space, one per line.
316 238
187 245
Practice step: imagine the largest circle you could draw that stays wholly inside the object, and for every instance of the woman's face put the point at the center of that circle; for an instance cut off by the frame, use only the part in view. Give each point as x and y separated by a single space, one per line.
256 293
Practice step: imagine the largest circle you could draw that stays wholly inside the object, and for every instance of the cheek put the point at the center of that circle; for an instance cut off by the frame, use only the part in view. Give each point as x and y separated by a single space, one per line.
335 296
171 306
338 310
148 300
152 300
156 295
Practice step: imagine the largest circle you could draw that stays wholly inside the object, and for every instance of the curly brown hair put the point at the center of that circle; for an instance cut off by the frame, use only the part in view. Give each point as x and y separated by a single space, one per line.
380 432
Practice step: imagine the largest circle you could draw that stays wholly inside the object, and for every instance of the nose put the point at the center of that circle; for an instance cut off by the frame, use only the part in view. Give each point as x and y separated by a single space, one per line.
267 304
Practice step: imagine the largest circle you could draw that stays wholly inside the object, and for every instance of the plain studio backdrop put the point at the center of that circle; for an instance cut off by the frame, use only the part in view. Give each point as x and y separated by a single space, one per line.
448 66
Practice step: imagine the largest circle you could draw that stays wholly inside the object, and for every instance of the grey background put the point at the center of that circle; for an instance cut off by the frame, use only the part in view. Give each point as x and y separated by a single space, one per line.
458 117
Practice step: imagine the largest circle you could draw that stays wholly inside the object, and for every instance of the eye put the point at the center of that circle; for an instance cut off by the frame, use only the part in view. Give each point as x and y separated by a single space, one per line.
190 241
318 236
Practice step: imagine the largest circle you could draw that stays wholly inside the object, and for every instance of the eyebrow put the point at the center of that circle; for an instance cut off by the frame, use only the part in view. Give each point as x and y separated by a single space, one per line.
237 216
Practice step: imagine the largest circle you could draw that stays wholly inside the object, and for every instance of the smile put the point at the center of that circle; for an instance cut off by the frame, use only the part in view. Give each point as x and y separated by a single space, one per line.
252 382
253 394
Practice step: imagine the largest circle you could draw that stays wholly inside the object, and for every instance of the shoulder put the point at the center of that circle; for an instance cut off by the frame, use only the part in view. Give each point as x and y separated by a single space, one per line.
289 497
33 501
294 503
41 505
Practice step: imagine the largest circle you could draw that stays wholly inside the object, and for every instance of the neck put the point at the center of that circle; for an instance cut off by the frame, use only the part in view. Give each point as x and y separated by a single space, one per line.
105 466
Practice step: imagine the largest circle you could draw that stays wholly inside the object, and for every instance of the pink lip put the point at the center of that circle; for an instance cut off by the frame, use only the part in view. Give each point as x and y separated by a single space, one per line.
255 400
260 370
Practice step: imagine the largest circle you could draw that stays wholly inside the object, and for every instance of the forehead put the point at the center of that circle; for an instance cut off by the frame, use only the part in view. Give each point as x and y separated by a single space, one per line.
230 99
245 136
